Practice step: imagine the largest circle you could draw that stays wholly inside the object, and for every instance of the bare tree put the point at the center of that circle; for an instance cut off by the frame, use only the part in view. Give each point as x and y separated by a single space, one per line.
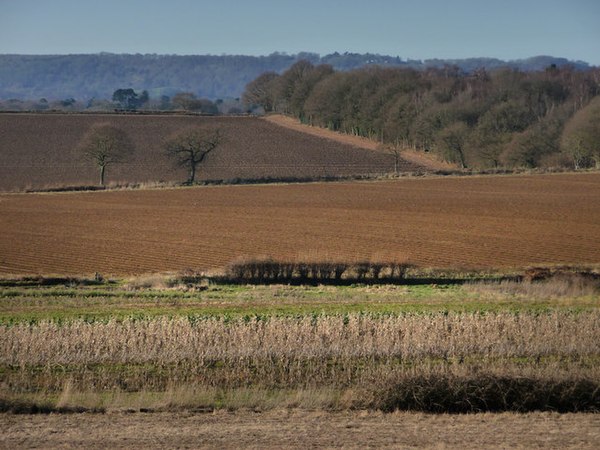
189 148
394 149
261 92
581 136
105 145
451 143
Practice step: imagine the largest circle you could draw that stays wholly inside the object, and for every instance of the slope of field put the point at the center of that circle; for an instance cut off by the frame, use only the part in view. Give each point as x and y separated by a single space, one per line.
40 150
408 156
451 222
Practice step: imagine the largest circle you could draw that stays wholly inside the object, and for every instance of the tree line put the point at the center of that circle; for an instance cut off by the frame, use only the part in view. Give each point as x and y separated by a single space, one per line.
128 99
94 77
479 119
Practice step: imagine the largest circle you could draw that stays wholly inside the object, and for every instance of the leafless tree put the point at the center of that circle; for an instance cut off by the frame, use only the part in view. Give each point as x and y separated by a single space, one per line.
189 148
394 149
581 136
105 145
261 91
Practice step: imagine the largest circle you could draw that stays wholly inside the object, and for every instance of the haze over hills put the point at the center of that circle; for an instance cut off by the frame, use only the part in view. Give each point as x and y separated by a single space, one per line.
87 76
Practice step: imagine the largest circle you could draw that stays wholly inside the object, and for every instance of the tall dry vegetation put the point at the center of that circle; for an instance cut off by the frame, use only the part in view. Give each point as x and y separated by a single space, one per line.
433 362
404 337
168 340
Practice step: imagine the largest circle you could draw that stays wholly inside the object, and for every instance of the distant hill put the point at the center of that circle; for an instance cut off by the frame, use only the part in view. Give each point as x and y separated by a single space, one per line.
84 77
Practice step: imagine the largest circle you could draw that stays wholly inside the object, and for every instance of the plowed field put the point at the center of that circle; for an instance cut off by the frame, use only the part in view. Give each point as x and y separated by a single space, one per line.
509 221
40 151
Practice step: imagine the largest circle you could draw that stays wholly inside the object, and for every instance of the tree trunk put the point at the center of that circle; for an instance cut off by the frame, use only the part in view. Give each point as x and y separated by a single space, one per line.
461 158
192 174
102 167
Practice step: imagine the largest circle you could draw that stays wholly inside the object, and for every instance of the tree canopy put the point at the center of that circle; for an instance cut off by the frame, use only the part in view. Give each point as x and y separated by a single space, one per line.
479 119
581 136
129 99
96 76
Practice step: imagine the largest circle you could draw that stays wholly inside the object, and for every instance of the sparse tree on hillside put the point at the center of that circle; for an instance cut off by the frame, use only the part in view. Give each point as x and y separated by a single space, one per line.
105 145
451 143
189 102
261 92
129 99
581 136
189 148
394 149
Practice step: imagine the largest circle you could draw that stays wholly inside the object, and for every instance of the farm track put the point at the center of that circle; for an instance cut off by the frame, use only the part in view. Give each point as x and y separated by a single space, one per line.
501 221
302 429
40 151
411 156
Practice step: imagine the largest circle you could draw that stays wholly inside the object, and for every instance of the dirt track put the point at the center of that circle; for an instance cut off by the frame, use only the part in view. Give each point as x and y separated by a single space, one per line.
301 429
411 156
441 222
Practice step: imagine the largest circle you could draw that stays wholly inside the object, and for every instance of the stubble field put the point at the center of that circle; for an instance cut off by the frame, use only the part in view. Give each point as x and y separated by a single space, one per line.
496 222
302 429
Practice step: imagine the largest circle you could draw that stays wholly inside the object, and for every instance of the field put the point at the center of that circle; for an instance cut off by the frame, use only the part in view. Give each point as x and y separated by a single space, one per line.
474 222
115 317
283 365
112 345
299 429
40 151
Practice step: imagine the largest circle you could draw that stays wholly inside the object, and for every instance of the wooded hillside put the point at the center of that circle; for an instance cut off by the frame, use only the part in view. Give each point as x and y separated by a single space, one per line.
83 77
504 117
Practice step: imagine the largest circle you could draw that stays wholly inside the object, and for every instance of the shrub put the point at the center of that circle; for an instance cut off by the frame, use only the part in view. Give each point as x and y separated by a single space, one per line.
264 270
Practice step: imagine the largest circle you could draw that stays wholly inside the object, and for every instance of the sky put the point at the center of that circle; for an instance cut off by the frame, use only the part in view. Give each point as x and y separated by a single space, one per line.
449 29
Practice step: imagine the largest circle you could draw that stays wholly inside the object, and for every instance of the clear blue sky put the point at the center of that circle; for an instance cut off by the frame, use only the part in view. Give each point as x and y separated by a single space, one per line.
505 29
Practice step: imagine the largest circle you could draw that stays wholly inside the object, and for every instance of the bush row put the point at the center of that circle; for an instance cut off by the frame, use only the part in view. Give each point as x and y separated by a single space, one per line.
269 270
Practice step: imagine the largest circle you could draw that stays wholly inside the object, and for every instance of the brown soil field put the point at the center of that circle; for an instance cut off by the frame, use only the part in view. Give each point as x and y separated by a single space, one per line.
419 158
40 151
301 429
493 221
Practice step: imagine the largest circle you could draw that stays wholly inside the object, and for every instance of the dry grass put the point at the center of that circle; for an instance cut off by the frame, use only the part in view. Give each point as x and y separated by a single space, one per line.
298 429
431 362
556 287
201 341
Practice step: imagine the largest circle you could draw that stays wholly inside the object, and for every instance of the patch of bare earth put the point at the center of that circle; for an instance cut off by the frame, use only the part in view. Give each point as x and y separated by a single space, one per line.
301 429
419 160
501 221
40 151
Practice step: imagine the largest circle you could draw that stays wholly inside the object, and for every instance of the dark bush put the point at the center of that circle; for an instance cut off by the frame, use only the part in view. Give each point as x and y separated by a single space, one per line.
453 394
268 270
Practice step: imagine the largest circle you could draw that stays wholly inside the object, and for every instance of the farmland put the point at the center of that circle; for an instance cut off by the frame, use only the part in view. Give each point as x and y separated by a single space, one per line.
295 428
478 222
275 361
137 318
40 151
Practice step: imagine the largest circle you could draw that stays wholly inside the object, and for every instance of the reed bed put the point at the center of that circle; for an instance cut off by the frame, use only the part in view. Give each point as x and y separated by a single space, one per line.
433 362
411 336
